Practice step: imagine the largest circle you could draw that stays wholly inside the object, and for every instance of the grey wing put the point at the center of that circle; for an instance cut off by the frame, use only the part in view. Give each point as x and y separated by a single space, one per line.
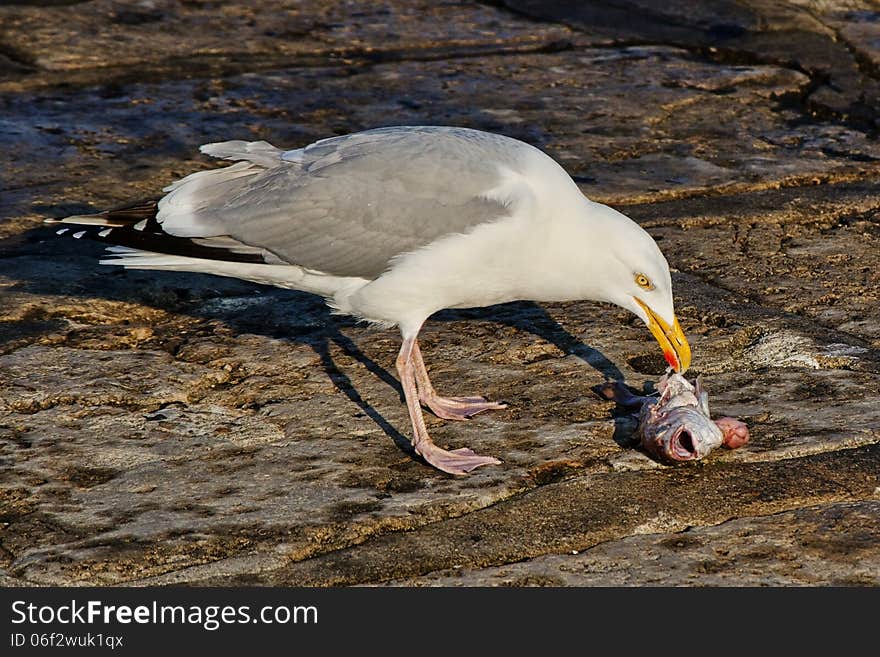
346 205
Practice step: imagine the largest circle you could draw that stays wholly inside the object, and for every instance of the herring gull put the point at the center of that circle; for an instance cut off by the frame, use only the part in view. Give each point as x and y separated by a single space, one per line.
394 224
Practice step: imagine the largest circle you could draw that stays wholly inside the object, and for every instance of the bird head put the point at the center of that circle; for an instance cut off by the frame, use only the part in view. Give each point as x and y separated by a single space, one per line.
636 277
649 296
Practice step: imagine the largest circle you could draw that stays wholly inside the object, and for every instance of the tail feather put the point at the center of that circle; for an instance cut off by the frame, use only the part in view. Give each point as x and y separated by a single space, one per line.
291 277
136 240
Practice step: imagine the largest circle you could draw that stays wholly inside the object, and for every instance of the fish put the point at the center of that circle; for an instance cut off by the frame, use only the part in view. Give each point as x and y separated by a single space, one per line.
676 426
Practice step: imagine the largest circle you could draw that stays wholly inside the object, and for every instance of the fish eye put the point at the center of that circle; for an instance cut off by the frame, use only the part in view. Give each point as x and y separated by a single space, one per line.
644 282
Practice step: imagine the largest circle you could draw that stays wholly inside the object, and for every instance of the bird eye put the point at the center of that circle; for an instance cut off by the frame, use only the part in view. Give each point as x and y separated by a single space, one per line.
644 282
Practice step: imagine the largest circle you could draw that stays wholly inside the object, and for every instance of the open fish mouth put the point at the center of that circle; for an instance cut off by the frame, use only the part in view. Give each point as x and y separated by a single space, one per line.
682 446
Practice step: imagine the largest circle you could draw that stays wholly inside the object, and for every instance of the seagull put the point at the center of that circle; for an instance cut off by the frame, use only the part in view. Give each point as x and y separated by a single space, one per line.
393 224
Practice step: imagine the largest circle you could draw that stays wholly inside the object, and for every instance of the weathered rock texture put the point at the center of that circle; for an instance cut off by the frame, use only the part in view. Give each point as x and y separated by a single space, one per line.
161 428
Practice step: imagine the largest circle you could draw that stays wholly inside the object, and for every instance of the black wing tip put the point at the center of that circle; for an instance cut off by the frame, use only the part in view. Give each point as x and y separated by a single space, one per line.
92 231
135 226
117 217
143 239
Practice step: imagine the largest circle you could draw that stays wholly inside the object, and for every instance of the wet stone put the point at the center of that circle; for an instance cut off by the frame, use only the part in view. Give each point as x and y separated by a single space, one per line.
828 545
162 428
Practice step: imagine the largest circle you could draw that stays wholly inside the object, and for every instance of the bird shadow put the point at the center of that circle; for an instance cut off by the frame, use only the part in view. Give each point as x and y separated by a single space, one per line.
528 317
531 317
344 384
305 318
628 403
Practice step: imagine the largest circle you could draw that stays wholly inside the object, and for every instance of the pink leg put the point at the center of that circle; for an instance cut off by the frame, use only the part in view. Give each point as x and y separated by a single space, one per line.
458 461
449 408
736 433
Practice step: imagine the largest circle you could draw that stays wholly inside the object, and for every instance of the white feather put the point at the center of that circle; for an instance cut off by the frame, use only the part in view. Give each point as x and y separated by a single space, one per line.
258 152
178 208
286 276
87 220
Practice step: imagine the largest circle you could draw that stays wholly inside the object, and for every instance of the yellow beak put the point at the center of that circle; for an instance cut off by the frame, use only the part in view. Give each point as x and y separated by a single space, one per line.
675 346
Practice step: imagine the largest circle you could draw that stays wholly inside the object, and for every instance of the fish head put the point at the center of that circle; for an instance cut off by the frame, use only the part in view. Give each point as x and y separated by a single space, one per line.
678 434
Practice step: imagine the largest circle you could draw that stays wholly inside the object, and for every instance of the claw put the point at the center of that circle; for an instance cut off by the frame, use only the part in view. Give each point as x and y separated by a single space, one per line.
458 461
412 369
459 408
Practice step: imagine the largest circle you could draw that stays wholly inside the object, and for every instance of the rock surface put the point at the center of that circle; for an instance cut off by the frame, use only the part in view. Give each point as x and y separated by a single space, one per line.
160 428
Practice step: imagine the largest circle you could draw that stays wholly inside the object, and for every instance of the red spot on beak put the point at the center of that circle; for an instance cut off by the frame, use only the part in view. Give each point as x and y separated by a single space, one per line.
671 359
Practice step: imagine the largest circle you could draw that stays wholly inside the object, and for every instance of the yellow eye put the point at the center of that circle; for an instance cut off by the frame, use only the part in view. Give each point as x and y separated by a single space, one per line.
644 282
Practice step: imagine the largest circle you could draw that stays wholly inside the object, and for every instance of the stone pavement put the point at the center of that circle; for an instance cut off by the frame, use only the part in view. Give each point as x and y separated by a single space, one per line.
160 428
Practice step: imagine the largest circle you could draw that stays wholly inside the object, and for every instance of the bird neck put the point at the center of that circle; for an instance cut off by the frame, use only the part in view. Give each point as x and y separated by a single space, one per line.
568 253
